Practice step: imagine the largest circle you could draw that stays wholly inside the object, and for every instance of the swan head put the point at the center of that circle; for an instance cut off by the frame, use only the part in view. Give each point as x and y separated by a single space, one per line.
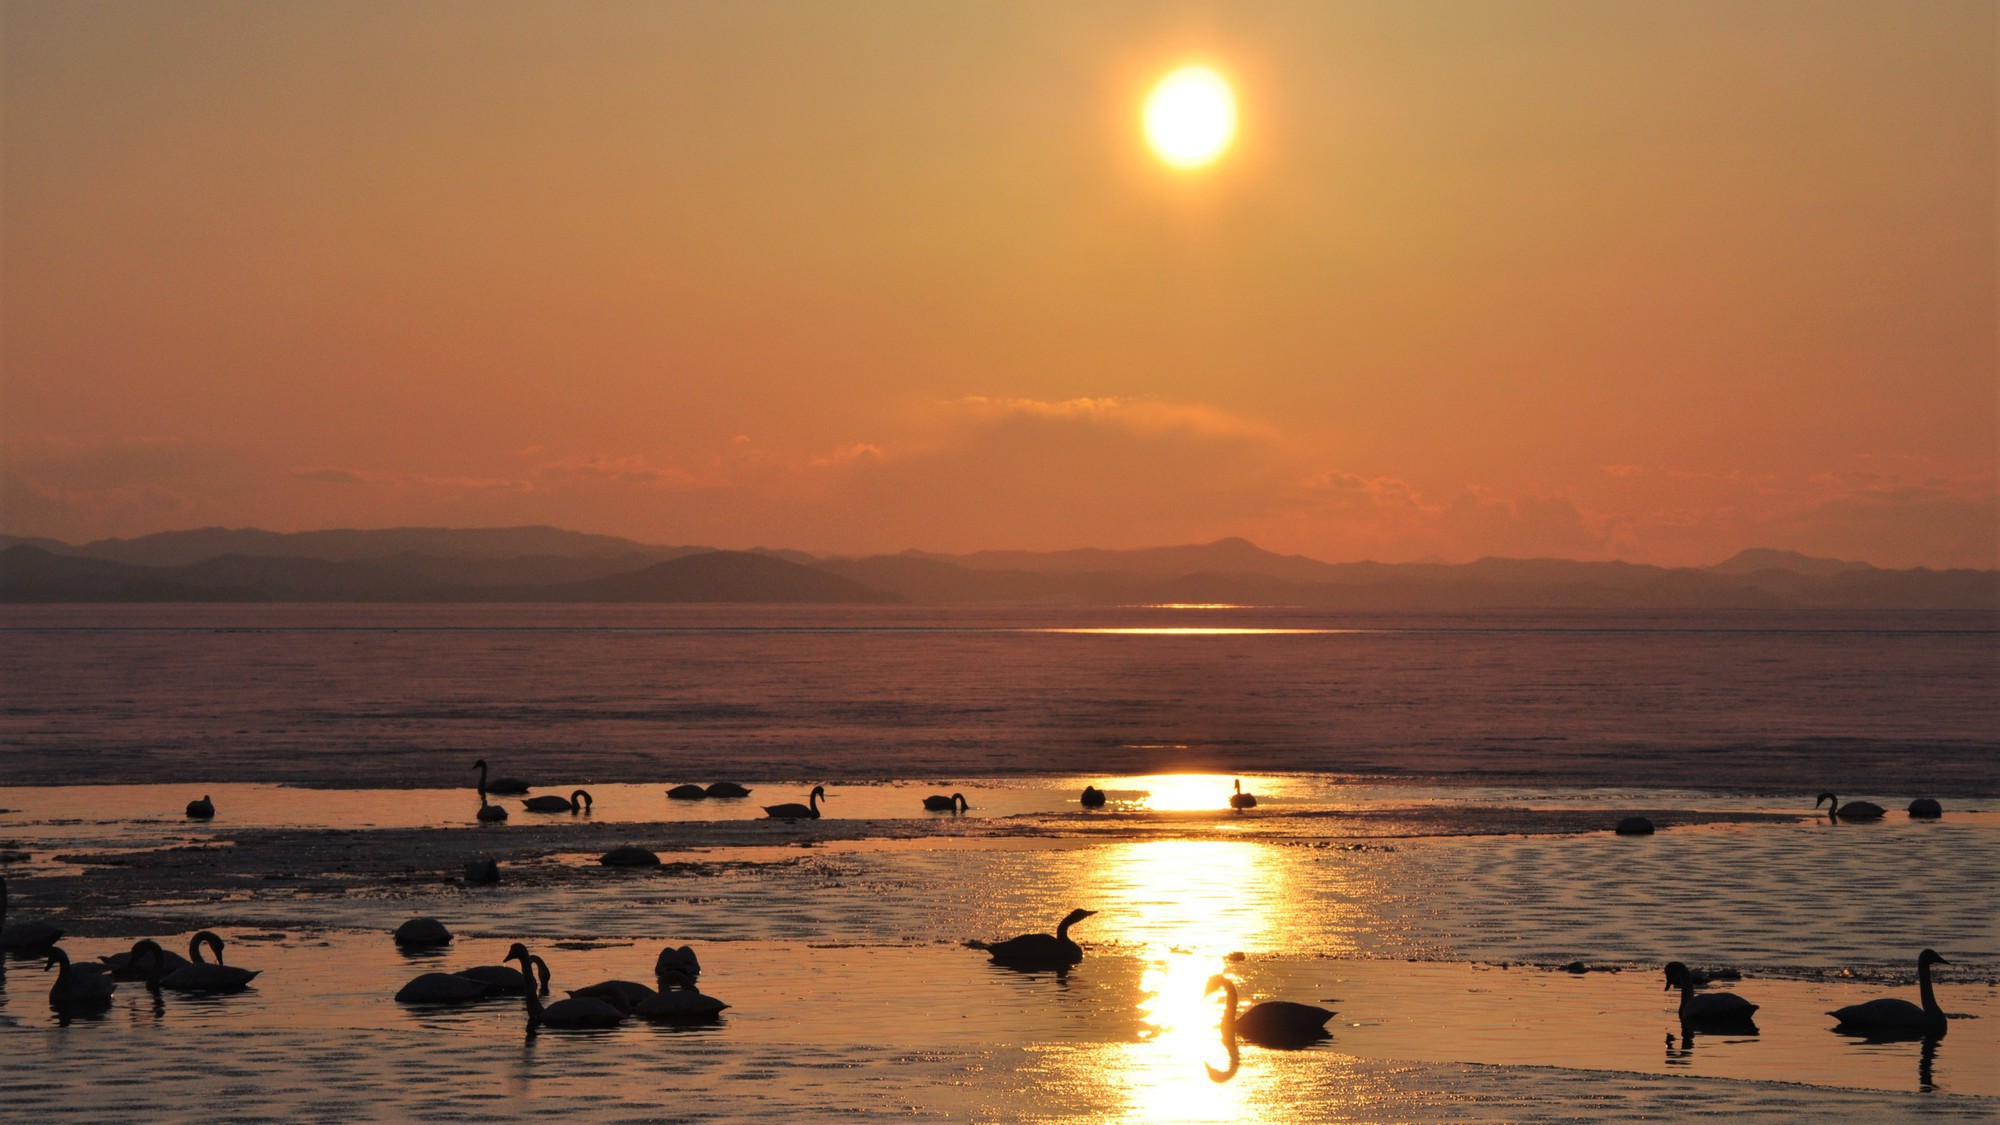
1823 799
480 764
518 952
1930 957
580 798
57 958
819 791
1216 984
1676 973
1076 916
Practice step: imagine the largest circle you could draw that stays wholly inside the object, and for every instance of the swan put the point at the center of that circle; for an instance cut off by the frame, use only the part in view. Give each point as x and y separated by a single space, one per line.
1898 1019
1713 1011
203 809
796 811
490 814
1038 950
443 988
1926 808
1242 800
499 786
687 793
505 980
578 802
1273 1023
1093 797
1634 826
953 803
132 966
75 988
24 936
682 961
422 933
563 1014
628 856
727 789
678 1000
200 976
1852 810
623 995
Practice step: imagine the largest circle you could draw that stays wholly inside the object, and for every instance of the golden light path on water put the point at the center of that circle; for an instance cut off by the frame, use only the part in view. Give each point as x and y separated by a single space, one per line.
1184 906
1186 631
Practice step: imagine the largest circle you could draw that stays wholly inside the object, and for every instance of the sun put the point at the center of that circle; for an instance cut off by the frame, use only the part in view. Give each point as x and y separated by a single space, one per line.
1190 117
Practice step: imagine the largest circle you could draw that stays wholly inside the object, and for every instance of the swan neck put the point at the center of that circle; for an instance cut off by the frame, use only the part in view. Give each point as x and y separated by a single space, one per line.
1229 1014
1687 989
533 1002
1931 1008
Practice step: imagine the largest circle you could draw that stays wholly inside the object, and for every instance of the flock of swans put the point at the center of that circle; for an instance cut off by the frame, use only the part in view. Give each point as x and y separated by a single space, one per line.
89 986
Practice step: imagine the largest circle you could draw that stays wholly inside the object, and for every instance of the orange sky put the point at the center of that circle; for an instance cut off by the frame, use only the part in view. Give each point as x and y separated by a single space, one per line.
1654 282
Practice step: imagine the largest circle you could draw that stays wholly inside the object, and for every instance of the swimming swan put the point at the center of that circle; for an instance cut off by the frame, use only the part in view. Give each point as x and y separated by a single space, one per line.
1273 1023
490 814
1038 950
1715 1010
499 786
796 811
443 988
563 1015
1898 1019
679 1001
578 802
1242 800
727 789
1093 797
953 803
77 989
203 809
200 976
1852 810
687 793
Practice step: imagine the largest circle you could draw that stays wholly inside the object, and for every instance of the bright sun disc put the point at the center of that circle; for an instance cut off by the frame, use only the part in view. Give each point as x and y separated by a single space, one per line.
1190 117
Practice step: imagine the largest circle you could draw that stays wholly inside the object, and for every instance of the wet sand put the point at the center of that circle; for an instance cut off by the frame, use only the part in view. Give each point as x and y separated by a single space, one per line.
1437 930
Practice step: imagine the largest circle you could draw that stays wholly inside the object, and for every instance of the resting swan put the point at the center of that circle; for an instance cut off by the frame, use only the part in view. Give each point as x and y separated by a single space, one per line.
1038 951
1273 1023
443 988
1714 1010
1895 1018
795 811
679 1000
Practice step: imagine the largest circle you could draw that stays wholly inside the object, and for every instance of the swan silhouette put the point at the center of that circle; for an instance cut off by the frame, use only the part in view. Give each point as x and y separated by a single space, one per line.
682 961
443 988
77 989
1093 797
134 965
577 802
199 975
1273 1023
490 814
24 937
678 1000
1892 1018
1926 808
1240 799
1715 1011
796 811
624 995
499 786
1038 951
203 809
953 803
564 1015
687 793
422 933
1852 810
505 980
727 789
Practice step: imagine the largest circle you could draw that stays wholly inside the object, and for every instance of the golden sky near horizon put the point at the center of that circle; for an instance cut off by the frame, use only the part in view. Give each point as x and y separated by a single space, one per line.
1654 282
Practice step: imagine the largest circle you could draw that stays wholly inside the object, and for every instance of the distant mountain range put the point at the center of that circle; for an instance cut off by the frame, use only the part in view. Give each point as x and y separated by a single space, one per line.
546 564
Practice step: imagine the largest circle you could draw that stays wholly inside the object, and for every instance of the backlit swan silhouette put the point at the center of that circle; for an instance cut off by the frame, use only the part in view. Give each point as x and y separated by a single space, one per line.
679 1001
1240 799
203 809
79 988
443 988
1852 810
578 801
1093 797
505 980
1713 1011
1892 1018
953 803
499 786
1273 1023
564 1015
1926 808
422 933
727 789
200 976
688 792
490 814
796 811
1038 951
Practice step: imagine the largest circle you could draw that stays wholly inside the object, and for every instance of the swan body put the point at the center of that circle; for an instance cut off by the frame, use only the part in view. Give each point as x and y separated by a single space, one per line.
687 793
796 811
24 937
422 933
578 801
1634 826
682 961
1273 1023
1895 1018
203 809
623 995
678 1000
499 786
505 980
201 976
1852 810
565 1015
443 988
1093 797
1715 1010
628 856
1242 800
77 988
490 814
953 803
727 789
1037 951
1926 808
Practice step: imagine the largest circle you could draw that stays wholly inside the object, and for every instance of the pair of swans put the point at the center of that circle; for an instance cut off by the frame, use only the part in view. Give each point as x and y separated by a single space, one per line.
468 985
162 970
608 1003
1038 951
723 789
1890 1018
